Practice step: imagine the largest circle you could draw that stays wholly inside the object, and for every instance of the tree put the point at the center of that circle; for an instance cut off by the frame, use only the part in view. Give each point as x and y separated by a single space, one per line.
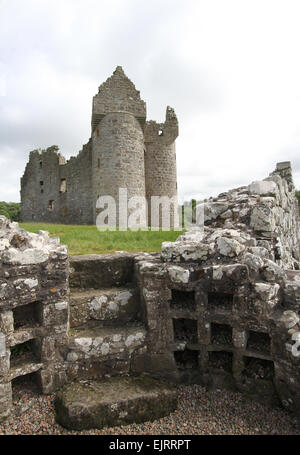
10 210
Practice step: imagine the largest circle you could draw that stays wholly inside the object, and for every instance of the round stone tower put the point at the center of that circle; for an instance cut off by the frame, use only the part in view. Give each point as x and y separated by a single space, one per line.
118 121
160 168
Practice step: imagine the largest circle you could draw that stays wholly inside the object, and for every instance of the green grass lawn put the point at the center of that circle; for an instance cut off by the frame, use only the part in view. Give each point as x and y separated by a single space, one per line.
88 240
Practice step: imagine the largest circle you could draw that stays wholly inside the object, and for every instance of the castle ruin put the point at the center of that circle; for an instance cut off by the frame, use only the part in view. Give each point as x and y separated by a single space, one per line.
124 151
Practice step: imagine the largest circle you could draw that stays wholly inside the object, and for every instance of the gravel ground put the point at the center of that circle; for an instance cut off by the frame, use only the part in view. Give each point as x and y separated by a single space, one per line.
200 412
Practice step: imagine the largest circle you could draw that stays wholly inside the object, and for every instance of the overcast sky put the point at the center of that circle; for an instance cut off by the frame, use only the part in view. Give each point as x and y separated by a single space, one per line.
229 68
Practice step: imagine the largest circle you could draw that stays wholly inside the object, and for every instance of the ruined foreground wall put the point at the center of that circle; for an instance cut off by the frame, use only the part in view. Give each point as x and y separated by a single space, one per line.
33 309
268 210
222 307
53 329
218 307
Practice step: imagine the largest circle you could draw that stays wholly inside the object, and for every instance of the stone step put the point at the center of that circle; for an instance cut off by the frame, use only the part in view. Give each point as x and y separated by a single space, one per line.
101 343
24 367
122 304
101 270
113 402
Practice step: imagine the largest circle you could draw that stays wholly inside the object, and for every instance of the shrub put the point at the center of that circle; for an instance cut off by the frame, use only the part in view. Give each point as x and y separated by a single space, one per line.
11 210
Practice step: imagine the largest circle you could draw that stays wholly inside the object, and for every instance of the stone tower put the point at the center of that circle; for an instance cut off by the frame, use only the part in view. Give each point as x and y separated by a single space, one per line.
118 121
160 161
124 151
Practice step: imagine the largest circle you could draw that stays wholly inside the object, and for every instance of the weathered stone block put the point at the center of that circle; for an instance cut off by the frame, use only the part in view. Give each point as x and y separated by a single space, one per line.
178 274
239 338
116 304
262 219
263 188
113 402
185 251
5 400
105 342
55 314
47 380
6 322
47 349
4 356
229 247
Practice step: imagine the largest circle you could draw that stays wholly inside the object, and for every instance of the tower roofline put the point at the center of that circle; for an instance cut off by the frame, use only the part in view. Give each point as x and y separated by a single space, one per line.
118 93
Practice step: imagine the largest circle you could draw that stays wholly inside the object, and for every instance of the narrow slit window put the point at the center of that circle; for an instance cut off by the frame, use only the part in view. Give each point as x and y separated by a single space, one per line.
51 205
63 186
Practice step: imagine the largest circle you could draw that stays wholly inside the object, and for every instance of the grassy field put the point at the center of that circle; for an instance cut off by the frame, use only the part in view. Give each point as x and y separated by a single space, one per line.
88 240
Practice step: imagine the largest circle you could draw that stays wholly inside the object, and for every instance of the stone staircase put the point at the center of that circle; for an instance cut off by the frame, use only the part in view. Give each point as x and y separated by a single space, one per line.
106 334
105 319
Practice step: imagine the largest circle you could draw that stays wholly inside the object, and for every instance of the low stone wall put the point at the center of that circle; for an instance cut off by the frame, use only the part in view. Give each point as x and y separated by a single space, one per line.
266 210
62 329
33 308
222 305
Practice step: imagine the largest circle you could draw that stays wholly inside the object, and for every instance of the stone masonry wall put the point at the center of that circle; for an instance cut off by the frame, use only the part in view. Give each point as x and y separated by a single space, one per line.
118 158
40 185
76 203
118 94
222 307
53 190
34 309
267 210
160 162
